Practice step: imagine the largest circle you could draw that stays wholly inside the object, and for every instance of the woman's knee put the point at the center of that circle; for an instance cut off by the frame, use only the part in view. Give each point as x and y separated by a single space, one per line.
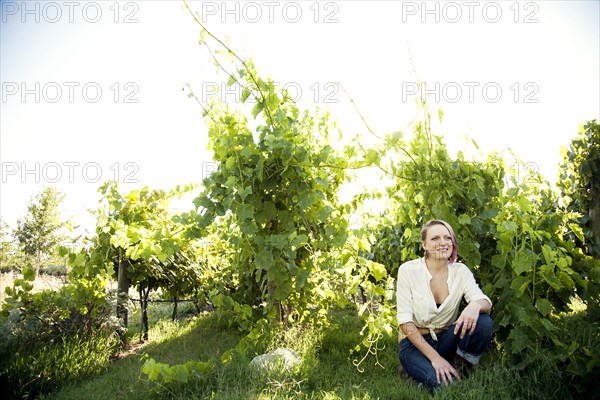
485 323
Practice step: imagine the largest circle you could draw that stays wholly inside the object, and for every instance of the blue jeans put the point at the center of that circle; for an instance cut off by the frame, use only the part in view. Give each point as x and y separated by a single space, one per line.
471 348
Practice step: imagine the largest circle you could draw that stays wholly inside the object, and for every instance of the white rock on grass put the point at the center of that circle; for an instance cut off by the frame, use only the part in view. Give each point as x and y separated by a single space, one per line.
286 358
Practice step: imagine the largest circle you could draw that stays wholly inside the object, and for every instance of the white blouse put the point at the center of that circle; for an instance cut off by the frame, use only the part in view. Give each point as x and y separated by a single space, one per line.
415 301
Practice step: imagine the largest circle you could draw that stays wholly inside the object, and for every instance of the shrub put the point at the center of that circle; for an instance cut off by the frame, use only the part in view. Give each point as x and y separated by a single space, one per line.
55 270
51 336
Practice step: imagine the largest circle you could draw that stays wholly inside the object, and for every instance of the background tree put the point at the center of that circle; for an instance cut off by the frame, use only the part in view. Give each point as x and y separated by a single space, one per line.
280 187
580 183
37 234
139 241
6 247
511 233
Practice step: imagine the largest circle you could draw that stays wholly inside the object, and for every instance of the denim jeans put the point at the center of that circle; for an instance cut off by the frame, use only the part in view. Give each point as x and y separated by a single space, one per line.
471 348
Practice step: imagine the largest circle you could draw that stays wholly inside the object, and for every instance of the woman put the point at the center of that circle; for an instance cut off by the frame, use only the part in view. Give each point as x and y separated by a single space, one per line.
429 292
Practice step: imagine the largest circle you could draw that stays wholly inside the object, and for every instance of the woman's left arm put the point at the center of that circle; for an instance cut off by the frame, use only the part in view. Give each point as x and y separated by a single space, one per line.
467 321
484 306
478 303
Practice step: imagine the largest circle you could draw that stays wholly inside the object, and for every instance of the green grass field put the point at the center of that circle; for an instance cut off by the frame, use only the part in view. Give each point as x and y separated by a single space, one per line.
327 370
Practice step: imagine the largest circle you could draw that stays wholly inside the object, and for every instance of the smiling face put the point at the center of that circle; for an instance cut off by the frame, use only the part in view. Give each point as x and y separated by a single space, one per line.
438 242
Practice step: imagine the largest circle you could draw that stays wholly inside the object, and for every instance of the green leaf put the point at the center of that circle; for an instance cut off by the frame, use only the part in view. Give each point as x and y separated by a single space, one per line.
566 280
499 261
302 277
278 275
377 270
523 262
524 203
520 283
152 369
277 241
550 327
363 244
231 162
258 107
180 373
227 356
245 94
264 259
577 231
298 241
29 273
204 366
268 211
246 211
544 306
547 272
464 219
248 227
372 157
519 339
548 254
245 192
232 79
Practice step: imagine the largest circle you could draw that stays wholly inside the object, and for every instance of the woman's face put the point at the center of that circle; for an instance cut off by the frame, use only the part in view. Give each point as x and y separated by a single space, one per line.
438 242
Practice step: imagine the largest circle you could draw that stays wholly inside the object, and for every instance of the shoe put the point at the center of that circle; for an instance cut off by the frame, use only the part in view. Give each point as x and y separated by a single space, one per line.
403 374
463 367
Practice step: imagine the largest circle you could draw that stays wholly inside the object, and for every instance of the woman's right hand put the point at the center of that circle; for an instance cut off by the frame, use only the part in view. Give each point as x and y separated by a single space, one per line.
444 370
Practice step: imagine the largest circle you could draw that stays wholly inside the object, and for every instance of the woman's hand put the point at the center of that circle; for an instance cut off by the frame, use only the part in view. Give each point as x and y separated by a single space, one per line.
444 370
467 321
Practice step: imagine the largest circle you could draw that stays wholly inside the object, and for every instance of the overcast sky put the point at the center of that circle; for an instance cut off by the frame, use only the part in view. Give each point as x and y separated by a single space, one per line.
93 91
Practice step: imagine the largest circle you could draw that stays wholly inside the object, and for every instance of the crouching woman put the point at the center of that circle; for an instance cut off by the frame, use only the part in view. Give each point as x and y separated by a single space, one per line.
434 342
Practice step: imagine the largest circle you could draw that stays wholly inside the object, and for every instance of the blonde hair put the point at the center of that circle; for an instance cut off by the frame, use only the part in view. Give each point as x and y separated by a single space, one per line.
433 222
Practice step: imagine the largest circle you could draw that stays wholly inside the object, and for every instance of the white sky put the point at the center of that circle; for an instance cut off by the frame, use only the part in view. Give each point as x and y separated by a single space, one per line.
160 140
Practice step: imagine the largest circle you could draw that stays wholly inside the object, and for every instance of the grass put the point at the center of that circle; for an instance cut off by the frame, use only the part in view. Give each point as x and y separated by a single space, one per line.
169 342
42 367
327 370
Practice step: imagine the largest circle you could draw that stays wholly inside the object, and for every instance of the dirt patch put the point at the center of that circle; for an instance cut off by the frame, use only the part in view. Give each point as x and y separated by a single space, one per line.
131 349
42 282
